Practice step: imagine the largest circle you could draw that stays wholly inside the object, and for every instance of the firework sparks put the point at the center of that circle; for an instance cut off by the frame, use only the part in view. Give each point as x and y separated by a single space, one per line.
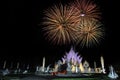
60 24
90 32
86 9
77 23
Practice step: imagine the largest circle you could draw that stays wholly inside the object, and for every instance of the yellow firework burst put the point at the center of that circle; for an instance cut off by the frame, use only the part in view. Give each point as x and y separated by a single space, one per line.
89 32
60 24
86 9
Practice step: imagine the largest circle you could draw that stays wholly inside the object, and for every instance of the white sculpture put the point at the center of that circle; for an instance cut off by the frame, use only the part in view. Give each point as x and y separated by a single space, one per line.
43 66
48 68
112 74
95 68
37 68
4 65
5 72
86 67
81 68
102 64
25 72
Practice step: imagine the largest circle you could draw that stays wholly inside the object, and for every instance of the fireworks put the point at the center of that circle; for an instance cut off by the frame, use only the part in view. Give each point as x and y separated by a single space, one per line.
90 32
86 9
76 23
60 24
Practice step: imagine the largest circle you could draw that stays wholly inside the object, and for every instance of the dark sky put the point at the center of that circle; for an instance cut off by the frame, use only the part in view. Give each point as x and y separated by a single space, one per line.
25 39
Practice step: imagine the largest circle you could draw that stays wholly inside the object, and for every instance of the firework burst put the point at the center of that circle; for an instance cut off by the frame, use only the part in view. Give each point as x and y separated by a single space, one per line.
86 9
76 23
60 24
90 32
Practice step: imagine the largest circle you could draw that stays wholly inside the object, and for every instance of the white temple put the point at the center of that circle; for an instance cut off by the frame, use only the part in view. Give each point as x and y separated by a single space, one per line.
74 64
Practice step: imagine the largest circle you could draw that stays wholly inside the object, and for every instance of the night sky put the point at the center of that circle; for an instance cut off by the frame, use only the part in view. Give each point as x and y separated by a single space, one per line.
26 43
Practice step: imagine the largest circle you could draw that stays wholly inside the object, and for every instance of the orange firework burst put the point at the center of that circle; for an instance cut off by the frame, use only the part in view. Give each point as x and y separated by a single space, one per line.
86 9
89 32
60 24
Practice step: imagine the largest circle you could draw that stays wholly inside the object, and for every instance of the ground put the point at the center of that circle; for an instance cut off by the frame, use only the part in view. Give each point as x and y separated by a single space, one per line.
38 77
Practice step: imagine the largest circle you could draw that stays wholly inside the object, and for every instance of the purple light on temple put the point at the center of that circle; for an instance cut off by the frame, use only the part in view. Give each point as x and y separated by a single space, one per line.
72 56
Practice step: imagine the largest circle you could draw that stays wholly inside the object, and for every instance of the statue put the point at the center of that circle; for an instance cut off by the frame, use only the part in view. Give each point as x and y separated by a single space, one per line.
43 65
102 64
5 72
86 67
112 74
